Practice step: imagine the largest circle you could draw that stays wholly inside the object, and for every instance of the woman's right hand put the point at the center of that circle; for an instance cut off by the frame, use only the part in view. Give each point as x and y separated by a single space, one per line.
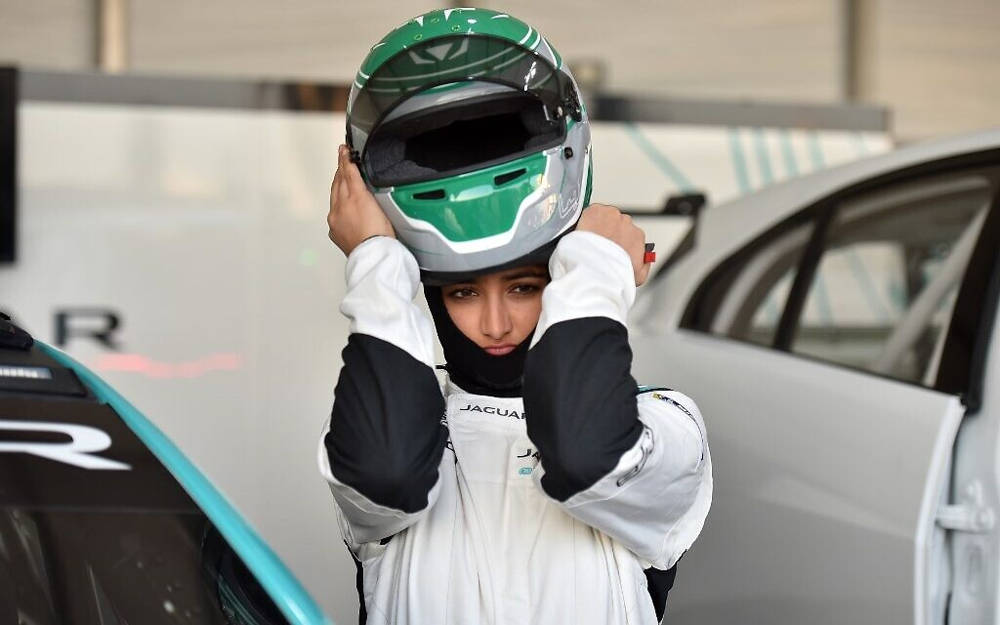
354 214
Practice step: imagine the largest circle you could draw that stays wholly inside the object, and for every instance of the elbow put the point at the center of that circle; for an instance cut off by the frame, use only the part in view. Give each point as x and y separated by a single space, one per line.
397 489
571 468
397 481
564 477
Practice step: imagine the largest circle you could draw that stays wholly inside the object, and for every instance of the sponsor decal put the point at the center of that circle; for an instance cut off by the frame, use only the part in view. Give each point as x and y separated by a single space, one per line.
500 412
530 453
672 402
528 460
28 373
84 441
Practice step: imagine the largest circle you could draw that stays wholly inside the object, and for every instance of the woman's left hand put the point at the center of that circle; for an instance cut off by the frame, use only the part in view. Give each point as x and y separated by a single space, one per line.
611 223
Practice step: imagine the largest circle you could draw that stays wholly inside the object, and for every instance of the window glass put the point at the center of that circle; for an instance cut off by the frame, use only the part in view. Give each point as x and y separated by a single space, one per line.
123 567
882 294
748 299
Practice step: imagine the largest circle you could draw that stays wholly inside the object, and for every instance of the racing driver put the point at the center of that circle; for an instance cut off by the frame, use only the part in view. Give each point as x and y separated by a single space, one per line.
535 483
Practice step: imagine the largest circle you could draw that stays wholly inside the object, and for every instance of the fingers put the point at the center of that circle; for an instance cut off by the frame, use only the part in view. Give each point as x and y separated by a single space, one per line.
343 164
340 190
350 175
643 274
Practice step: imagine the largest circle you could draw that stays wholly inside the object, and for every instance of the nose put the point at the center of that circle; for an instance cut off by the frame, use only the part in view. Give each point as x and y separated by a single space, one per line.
496 322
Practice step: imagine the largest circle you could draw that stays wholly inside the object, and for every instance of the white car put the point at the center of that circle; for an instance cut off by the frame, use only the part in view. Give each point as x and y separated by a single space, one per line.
837 332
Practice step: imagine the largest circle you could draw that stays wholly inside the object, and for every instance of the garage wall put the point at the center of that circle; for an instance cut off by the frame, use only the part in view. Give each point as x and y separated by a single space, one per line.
780 48
313 39
54 34
936 63
767 49
931 62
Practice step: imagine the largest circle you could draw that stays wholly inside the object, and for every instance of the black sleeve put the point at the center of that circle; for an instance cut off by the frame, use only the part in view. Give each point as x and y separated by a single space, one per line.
580 402
386 434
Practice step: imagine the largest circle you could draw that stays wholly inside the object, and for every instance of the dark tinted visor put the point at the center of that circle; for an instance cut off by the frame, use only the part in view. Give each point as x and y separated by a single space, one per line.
459 137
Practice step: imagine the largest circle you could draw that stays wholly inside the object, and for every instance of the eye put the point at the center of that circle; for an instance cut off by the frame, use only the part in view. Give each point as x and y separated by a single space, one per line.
461 293
525 288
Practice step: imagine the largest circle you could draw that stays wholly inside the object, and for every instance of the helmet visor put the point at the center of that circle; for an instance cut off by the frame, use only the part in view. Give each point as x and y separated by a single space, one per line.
454 59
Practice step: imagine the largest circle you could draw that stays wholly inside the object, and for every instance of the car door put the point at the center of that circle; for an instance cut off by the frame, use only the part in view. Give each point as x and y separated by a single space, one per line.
832 359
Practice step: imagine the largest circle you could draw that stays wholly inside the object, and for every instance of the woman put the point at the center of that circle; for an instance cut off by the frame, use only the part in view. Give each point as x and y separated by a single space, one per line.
538 483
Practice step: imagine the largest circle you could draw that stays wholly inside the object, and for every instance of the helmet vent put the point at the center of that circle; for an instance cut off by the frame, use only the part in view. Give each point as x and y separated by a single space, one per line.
510 176
436 194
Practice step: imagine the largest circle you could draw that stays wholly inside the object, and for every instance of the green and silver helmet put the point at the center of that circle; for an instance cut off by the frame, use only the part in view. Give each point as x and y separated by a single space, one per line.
472 135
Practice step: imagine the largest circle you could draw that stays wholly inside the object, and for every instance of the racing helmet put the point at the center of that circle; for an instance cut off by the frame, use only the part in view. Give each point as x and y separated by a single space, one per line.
471 133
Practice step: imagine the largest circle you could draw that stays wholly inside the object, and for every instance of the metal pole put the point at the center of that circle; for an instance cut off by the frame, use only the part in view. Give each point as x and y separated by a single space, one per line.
850 46
112 36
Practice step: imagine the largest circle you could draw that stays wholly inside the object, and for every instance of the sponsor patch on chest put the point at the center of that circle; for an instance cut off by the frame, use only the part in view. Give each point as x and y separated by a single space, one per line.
500 412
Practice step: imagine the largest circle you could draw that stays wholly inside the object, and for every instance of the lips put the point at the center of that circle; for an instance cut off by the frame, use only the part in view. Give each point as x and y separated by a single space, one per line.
499 350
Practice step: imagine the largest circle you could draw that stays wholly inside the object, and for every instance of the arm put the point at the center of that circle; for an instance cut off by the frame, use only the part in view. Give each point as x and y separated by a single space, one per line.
381 449
633 465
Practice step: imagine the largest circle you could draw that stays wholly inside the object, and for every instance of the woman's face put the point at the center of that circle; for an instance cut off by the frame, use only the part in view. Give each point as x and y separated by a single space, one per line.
499 310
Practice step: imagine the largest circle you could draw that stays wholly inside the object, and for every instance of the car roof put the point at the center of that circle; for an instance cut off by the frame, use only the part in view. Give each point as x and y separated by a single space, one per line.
723 226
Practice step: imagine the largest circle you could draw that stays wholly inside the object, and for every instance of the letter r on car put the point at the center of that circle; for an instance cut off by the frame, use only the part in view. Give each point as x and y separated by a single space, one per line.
78 451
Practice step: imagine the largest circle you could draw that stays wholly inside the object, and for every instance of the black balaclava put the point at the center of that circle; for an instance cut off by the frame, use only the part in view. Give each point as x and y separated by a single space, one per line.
470 366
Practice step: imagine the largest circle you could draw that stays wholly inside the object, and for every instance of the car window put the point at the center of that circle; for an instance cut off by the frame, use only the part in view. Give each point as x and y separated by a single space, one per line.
122 567
746 300
882 294
108 538
876 274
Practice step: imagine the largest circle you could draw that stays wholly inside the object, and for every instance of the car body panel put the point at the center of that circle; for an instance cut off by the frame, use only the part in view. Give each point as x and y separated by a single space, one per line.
974 557
784 481
829 480
115 491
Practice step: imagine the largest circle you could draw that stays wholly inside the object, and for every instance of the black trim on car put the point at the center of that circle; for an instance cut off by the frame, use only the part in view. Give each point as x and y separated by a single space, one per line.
8 164
963 362
785 332
699 313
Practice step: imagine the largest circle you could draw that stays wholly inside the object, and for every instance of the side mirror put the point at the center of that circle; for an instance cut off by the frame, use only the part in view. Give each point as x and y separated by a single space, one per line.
686 205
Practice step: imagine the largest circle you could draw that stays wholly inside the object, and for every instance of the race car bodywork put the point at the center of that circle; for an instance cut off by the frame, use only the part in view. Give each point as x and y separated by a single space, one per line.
839 333
103 520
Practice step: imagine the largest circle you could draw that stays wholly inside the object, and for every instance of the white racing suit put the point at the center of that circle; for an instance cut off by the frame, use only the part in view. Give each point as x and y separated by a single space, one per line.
569 505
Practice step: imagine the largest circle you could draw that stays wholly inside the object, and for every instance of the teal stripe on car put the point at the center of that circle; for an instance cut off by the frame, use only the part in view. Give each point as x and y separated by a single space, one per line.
286 591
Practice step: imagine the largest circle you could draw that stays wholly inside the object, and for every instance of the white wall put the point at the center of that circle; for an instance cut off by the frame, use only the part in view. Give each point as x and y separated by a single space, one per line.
932 62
